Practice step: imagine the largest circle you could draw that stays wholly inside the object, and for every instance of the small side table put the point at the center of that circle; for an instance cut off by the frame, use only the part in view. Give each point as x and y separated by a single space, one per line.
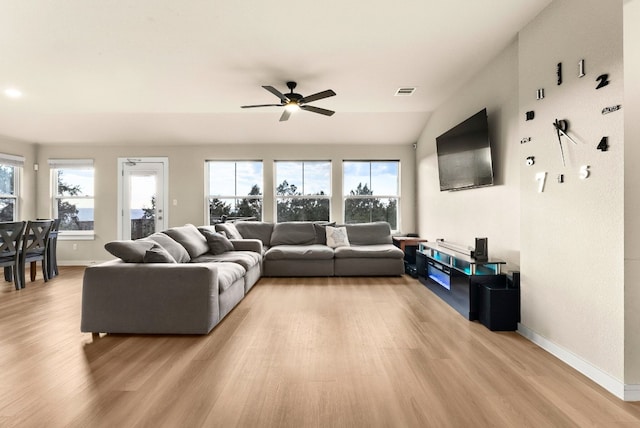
409 245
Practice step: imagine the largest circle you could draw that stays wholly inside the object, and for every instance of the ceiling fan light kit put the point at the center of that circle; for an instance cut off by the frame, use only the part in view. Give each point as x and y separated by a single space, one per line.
293 102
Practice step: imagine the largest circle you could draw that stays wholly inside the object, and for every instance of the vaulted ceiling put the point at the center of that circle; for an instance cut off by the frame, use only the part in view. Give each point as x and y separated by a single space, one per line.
177 72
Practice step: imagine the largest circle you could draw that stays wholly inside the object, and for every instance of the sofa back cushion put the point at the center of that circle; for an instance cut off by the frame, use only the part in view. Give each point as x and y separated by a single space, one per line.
177 251
369 233
190 238
293 233
256 230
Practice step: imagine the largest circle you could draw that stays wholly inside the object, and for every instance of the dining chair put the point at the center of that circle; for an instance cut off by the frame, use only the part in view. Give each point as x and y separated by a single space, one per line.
34 249
10 240
52 249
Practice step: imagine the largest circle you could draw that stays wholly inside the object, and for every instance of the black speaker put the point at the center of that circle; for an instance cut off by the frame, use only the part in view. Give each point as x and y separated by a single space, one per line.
481 252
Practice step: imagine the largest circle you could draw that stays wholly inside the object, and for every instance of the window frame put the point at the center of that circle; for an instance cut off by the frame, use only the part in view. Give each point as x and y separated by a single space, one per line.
17 163
303 196
208 191
397 197
56 165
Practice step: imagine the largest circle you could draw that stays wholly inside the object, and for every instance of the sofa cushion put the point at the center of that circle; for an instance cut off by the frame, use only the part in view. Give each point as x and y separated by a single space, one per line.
228 273
229 230
129 251
369 233
176 250
299 252
218 243
190 238
380 251
320 228
246 259
337 237
293 233
255 230
157 254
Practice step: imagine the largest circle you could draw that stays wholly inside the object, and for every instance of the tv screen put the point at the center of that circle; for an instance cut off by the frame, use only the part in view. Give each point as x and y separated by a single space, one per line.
464 155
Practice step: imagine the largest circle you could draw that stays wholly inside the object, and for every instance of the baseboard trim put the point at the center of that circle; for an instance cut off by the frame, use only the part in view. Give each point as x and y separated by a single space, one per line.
616 387
79 262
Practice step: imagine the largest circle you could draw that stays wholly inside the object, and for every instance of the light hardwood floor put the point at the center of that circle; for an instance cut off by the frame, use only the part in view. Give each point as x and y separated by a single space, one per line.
315 352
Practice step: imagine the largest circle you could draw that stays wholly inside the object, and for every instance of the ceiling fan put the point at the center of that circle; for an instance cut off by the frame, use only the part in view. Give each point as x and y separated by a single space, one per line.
293 102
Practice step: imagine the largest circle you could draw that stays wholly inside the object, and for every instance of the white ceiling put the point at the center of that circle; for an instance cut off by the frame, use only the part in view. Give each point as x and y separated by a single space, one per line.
166 72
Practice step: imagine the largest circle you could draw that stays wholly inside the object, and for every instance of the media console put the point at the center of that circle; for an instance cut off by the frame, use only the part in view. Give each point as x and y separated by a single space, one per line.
478 290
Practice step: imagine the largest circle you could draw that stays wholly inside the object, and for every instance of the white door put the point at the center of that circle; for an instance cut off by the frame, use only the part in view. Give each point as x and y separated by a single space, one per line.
142 197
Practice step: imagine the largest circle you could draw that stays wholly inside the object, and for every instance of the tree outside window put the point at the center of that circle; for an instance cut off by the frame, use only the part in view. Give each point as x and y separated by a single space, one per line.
304 190
371 191
235 190
8 197
73 201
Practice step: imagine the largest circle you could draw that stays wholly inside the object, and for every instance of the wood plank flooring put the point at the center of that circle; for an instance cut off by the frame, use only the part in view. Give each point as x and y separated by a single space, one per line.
314 352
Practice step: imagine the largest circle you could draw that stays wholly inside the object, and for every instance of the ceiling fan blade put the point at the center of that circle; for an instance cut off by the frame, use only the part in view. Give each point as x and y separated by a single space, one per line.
262 105
320 95
318 110
277 93
285 115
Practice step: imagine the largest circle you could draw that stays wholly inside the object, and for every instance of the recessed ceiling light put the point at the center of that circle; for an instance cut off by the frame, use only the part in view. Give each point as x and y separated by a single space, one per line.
12 93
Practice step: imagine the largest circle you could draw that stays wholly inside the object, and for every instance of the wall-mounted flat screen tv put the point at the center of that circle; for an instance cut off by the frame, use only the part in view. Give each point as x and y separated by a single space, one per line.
464 155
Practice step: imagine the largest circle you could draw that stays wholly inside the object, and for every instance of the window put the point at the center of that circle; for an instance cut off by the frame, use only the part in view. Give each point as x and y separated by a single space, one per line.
234 189
371 191
10 167
303 190
72 181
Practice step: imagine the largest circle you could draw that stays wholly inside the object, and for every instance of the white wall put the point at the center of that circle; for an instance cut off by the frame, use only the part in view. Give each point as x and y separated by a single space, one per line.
492 212
573 233
578 243
632 190
28 190
186 182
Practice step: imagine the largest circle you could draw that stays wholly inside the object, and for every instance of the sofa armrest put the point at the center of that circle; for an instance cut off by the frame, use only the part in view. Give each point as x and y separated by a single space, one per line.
165 298
254 245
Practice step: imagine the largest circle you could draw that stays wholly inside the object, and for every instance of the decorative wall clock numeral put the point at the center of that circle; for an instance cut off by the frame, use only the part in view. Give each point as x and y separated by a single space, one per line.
525 140
530 160
529 115
611 109
559 73
540 94
541 177
581 68
584 172
603 79
603 145
560 178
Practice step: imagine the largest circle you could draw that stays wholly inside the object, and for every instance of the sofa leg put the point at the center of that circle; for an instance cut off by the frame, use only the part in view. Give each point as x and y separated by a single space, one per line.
95 336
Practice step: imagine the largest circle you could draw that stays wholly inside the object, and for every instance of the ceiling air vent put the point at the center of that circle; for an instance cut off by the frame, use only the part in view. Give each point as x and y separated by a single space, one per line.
406 91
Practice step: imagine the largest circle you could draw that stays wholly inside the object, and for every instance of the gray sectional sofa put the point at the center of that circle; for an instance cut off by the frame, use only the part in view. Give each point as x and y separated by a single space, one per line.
185 280
300 248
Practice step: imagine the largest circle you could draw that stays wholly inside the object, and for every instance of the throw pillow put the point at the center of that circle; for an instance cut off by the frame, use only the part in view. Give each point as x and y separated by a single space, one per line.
337 237
190 238
176 250
218 243
157 254
129 251
320 228
229 229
